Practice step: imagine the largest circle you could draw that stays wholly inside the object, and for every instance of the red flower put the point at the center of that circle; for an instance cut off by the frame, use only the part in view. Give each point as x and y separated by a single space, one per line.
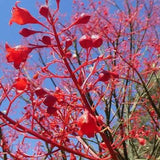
46 40
141 141
52 111
96 41
49 100
44 11
72 156
40 92
17 54
85 41
20 83
68 43
88 125
83 19
106 75
22 16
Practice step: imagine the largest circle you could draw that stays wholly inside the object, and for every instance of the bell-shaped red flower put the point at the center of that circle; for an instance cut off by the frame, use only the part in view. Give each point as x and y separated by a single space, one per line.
44 11
83 19
68 43
20 83
17 54
22 16
88 125
106 75
40 92
49 100
85 41
96 41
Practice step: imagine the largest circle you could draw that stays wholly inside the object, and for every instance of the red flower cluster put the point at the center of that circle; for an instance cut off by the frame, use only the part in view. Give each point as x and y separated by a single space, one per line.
49 100
88 125
94 41
17 54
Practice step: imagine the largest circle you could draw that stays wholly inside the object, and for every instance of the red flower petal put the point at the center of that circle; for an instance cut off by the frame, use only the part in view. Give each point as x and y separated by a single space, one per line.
88 125
20 83
17 54
50 100
22 16
40 92
52 111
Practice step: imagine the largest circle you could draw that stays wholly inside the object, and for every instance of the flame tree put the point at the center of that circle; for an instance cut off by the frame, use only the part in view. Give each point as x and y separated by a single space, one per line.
85 88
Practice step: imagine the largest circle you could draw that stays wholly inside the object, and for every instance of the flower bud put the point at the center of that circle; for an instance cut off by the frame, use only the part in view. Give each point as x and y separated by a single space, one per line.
68 43
68 54
96 41
106 75
83 19
40 92
85 41
44 11
46 40
27 32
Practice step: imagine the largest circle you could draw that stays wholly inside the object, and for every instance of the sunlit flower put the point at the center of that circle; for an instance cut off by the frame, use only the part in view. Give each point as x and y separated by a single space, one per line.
22 16
88 125
17 54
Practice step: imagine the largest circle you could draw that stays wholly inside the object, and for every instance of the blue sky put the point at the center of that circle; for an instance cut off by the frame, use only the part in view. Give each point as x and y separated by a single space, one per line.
10 33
